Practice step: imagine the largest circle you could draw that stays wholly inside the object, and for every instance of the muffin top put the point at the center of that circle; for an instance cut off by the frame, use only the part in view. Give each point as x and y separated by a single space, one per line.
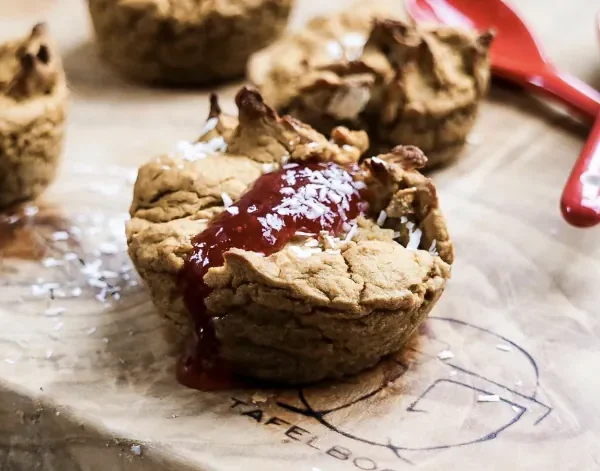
30 68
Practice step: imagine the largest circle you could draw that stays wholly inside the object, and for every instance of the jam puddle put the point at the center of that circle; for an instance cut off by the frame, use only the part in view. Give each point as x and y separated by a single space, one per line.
308 197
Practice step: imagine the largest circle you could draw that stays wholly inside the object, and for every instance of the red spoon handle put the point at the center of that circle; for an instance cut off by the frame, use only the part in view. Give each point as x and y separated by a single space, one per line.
573 92
580 202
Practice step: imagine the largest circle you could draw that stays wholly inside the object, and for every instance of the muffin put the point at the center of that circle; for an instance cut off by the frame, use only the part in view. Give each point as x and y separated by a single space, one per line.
185 42
404 84
290 261
33 102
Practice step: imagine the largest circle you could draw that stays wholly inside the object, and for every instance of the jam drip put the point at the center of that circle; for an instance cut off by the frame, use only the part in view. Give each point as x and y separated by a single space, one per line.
308 197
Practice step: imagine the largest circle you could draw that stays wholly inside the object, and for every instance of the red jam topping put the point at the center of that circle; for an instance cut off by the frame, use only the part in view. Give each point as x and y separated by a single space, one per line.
308 197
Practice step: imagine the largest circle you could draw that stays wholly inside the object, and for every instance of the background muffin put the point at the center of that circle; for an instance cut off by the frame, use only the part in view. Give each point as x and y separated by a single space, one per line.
33 100
402 83
184 41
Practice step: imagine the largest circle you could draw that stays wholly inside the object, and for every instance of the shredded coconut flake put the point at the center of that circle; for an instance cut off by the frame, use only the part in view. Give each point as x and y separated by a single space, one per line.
233 210
75 232
92 268
445 355
43 288
300 253
227 201
415 239
351 233
381 218
267 168
54 311
354 44
200 150
311 243
488 398
96 283
108 249
30 211
331 242
335 50
52 262
209 126
60 235
136 450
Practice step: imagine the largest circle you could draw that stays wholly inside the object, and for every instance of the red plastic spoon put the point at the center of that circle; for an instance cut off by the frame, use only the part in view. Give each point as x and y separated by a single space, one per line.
580 201
516 56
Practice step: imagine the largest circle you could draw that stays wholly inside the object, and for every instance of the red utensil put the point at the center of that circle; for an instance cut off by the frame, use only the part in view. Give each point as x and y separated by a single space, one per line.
516 56
580 203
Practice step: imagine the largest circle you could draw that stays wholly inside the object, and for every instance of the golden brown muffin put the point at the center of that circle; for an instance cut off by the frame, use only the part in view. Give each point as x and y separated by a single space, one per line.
185 42
402 83
33 102
323 306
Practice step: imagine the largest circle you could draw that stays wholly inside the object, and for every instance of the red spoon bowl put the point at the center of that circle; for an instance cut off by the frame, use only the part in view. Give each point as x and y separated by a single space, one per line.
517 56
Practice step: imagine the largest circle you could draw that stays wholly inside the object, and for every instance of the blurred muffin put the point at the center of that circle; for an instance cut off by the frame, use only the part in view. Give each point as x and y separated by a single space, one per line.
33 102
185 42
402 83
